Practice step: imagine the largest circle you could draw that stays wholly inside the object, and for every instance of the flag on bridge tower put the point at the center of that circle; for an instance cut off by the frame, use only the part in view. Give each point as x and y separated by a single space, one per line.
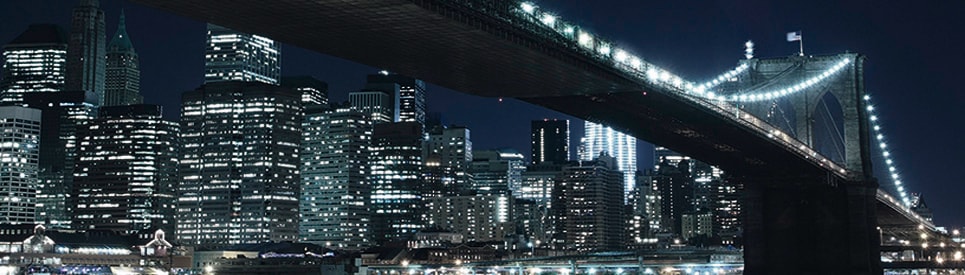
793 36
796 36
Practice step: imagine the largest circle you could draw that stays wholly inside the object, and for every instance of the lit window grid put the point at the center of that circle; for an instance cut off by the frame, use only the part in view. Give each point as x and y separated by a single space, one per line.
19 158
32 69
334 210
126 176
224 134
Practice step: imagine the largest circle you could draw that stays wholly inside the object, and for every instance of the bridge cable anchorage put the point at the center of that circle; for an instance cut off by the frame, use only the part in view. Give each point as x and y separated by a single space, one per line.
879 136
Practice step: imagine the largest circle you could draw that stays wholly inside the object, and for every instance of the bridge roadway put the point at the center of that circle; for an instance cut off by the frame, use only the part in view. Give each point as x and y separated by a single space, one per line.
483 47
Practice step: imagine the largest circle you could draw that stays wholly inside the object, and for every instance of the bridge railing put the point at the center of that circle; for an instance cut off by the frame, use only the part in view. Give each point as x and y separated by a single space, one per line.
904 210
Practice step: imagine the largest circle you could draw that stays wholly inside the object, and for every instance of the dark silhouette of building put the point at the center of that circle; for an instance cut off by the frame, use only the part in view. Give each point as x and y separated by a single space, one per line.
86 50
550 141
64 114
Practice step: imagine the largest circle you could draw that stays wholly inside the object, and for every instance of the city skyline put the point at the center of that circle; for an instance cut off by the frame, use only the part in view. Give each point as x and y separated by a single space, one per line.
926 176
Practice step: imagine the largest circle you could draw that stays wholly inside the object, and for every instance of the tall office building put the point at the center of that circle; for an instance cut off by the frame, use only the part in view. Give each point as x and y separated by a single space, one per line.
685 186
127 171
233 56
123 79
35 61
592 220
623 147
538 182
381 106
19 156
550 141
239 164
335 190
86 50
449 151
673 184
64 114
314 91
397 205
411 94
497 171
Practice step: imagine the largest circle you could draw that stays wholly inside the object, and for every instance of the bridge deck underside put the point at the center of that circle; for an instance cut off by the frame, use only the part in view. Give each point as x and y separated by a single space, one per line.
483 55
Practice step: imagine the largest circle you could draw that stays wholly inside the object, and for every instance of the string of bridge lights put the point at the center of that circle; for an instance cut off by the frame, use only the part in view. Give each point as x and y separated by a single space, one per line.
654 74
880 137
659 76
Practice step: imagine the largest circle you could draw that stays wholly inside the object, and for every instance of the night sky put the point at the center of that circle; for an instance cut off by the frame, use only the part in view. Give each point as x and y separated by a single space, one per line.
913 69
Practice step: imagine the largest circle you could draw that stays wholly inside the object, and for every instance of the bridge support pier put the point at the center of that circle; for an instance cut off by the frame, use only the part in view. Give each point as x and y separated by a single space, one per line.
810 227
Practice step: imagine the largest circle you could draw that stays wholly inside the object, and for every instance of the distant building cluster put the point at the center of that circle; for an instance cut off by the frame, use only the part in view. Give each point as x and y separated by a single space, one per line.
259 158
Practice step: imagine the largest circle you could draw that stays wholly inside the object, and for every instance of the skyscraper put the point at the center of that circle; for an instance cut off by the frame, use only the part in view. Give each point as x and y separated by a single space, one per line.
314 91
35 61
450 150
126 174
123 80
411 94
623 147
397 205
239 164
86 55
550 141
233 56
335 190
379 105
685 186
497 171
19 154
592 219
64 114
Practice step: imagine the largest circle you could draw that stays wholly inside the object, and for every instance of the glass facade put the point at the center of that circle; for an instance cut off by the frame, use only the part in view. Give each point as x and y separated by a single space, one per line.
233 56
19 157
397 204
335 190
86 50
126 176
381 106
411 94
621 146
35 61
123 76
239 164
